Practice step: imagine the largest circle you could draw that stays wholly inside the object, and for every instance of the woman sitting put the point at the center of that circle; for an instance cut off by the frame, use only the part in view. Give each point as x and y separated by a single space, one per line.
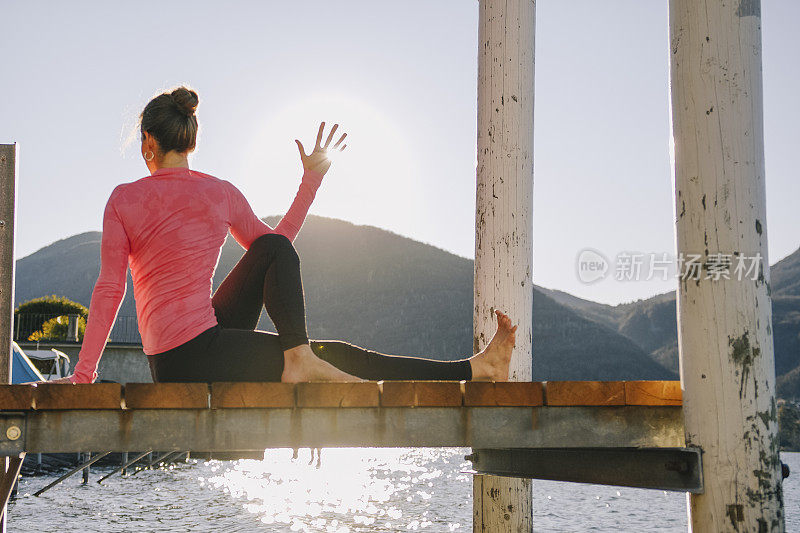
169 227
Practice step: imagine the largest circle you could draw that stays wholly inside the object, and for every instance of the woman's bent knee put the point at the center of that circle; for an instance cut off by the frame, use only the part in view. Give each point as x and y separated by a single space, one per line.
272 243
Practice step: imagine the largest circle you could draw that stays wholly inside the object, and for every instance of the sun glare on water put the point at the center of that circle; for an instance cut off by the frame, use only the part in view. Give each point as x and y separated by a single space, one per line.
348 489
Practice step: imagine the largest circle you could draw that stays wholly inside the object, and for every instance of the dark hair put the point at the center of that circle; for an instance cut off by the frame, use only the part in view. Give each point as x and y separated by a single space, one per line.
169 118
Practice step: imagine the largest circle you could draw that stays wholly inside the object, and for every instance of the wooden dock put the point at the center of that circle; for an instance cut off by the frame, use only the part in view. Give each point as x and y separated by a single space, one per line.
256 416
617 433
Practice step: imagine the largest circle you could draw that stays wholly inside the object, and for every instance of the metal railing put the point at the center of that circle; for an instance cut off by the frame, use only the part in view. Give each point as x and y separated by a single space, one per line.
29 327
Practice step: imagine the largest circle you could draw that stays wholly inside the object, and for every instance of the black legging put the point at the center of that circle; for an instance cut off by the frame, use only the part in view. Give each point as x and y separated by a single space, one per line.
269 275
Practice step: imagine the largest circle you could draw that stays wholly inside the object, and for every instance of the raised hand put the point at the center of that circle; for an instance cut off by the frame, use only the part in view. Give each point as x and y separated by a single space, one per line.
319 160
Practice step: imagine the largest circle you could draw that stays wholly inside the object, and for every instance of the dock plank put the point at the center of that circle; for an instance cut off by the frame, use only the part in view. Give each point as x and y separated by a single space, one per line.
585 393
252 395
166 395
16 397
78 396
653 393
503 394
357 394
421 394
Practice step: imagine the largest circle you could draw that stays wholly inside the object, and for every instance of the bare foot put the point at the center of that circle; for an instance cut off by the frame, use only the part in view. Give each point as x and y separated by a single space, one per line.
492 363
302 364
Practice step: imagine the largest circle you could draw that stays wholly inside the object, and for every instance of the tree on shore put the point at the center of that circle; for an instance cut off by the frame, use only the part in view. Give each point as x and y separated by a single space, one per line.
47 318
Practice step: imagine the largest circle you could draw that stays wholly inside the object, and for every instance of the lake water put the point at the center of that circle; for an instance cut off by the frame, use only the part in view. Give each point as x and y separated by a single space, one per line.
350 490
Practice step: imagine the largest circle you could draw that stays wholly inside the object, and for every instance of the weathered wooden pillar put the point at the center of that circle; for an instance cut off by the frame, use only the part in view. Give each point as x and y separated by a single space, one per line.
8 182
503 223
724 325
8 185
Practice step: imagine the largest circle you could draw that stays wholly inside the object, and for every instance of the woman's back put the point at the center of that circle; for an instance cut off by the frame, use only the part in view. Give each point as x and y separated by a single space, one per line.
176 222
169 228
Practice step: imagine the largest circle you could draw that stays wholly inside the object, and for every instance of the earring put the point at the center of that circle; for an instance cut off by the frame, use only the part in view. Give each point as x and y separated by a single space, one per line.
152 155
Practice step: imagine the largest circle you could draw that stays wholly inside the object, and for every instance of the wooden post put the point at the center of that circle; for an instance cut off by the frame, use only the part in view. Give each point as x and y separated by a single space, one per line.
72 328
503 222
724 325
8 186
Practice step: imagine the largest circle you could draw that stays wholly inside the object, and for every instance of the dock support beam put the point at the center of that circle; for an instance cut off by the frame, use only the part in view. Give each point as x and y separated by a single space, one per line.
503 222
725 332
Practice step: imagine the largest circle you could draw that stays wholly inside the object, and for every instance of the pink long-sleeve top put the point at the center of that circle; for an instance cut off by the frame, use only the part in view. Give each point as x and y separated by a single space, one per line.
169 228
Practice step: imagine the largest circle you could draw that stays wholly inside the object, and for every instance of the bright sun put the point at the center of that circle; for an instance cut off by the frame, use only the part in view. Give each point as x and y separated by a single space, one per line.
377 164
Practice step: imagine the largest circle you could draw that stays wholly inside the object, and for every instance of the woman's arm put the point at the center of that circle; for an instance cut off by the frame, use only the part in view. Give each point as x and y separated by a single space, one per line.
107 294
247 227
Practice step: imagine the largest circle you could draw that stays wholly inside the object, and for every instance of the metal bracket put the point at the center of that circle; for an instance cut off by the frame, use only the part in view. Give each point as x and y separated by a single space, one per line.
13 432
677 469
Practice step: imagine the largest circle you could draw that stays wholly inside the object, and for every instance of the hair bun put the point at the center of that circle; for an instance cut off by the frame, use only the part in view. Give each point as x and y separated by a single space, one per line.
186 100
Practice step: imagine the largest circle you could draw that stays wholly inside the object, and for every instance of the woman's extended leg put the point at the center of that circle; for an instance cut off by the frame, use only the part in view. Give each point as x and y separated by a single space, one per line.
490 364
244 355
368 364
268 275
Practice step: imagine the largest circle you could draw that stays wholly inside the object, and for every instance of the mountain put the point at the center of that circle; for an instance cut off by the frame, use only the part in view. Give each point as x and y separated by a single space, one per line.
652 324
785 275
382 291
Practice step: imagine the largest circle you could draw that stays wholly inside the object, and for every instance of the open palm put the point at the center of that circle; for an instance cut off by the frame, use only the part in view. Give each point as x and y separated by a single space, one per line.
319 160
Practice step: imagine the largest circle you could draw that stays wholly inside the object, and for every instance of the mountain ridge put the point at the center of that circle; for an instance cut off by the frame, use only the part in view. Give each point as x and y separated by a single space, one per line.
391 293
382 291
417 299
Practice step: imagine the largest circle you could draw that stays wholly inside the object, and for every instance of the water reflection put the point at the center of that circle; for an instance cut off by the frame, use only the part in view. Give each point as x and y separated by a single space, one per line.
349 489
352 490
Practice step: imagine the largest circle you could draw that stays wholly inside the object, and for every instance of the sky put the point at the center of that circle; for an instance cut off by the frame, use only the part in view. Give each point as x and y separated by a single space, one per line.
400 78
